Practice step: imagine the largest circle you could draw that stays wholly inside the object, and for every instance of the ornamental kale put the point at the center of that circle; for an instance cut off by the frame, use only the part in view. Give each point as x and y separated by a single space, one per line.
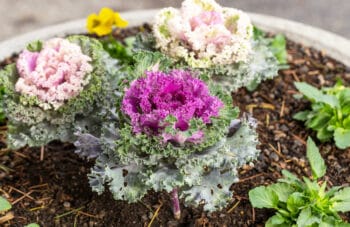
304 202
220 42
55 89
54 74
256 57
204 34
330 112
175 133
153 101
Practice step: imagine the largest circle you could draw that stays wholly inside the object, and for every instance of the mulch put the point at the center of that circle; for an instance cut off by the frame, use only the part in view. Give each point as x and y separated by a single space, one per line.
55 191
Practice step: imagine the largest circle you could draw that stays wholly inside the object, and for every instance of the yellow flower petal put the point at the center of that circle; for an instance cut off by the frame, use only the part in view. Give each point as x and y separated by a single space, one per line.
119 21
103 23
106 16
103 30
91 22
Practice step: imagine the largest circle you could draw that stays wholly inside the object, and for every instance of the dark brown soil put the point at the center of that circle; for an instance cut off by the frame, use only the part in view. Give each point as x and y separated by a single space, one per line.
55 191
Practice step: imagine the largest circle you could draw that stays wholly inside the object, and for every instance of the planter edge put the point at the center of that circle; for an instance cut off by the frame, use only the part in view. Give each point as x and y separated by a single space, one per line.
333 45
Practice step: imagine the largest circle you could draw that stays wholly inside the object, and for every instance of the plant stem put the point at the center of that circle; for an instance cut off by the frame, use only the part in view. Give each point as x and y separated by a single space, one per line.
176 204
42 151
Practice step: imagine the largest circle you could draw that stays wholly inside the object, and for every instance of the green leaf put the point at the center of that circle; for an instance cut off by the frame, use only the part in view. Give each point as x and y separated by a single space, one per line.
346 122
278 47
289 175
295 202
342 206
129 42
35 46
343 224
291 179
283 191
331 192
316 95
331 100
263 197
302 115
342 195
306 218
322 190
319 121
318 166
312 186
344 95
117 50
4 204
32 225
258 33
146 60
342 138
323 134
276 221
309 91
331 221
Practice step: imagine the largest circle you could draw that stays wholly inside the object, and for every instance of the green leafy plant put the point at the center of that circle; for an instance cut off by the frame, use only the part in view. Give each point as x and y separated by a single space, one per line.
118 50
4 205
303 202
276 44
330 112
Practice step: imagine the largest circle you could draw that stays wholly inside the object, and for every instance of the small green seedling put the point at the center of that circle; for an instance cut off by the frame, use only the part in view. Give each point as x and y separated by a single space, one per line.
32 225
303 203
330 112
4 205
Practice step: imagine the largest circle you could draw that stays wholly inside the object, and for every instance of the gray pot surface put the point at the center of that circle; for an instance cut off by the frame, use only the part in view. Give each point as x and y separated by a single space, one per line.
330 43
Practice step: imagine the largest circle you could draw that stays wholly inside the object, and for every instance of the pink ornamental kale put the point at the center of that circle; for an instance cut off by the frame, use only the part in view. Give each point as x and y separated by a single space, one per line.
150 100
55 74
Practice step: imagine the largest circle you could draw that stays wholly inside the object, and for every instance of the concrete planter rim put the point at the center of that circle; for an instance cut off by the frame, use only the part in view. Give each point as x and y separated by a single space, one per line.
333 45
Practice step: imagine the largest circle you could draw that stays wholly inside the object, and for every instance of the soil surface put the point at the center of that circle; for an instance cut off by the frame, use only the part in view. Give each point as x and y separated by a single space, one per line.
55 191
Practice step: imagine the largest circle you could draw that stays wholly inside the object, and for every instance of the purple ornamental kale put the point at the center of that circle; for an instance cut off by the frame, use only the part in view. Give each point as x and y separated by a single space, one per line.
150 100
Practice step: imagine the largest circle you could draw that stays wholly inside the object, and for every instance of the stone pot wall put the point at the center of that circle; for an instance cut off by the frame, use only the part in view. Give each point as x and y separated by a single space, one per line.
332 44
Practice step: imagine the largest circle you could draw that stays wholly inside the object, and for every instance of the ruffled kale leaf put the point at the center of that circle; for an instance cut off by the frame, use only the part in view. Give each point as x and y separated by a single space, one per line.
203 177
262 65
268 56
87 145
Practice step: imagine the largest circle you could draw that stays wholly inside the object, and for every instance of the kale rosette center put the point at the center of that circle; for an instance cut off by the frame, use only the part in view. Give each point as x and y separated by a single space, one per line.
56 73
165 103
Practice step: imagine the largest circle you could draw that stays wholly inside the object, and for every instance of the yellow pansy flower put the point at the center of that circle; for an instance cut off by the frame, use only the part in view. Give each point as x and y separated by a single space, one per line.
102 24
119 21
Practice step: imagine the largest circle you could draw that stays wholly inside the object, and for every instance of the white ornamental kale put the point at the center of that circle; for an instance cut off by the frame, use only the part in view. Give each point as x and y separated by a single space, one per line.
204 34
174 134
54 89
217 40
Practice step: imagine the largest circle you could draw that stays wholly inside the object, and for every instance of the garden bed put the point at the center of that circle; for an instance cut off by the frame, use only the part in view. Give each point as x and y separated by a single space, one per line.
55 191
